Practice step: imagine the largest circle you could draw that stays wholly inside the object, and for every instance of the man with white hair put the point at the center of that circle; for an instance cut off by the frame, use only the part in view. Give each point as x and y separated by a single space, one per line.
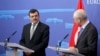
87 35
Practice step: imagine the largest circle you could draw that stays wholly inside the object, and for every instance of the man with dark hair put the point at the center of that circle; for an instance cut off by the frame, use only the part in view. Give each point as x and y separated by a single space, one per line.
35 35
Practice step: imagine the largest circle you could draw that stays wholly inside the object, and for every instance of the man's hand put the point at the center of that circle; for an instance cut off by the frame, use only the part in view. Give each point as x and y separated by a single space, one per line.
73 49
28 53
62 54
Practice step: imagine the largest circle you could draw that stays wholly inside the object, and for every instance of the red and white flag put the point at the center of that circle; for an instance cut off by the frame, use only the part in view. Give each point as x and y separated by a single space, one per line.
75 28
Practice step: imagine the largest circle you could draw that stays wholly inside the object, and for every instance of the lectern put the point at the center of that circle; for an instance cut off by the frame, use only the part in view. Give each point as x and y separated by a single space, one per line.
65 50
15 49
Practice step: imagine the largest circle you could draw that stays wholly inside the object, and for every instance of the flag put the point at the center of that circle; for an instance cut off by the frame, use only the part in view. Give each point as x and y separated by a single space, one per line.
75 26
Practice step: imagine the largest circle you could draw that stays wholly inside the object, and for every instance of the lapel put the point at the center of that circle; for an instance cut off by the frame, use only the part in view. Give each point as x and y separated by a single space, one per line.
28 32
36 31
83 33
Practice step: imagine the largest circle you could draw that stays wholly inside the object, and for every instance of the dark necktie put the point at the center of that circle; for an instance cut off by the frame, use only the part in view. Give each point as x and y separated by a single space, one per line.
80 32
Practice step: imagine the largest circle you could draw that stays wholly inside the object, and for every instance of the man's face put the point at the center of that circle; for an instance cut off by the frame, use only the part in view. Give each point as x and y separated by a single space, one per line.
34 17
77 21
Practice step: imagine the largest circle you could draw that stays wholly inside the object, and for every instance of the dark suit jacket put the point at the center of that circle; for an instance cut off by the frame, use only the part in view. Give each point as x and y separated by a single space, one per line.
39 40
87 42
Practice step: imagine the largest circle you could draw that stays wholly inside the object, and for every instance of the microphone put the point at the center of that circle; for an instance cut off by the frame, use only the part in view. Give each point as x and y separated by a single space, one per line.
11 35
62 40
7 39
59 43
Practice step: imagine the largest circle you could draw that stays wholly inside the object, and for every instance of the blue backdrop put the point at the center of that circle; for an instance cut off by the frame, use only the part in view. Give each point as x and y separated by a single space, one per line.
56 13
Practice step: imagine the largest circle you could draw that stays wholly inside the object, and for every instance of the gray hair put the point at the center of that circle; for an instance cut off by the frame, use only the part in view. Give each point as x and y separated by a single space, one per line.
80 13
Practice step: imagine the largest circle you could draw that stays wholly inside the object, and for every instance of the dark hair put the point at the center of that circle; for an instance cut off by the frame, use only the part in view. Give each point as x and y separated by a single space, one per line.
33 11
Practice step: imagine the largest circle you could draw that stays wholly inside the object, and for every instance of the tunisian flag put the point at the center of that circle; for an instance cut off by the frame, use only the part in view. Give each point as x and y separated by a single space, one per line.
75 26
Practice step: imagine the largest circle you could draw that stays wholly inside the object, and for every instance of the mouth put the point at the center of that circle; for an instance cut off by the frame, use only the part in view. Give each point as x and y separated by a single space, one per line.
35 21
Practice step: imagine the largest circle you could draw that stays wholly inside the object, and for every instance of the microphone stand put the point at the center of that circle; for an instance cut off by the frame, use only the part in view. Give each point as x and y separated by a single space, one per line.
59 44
7 39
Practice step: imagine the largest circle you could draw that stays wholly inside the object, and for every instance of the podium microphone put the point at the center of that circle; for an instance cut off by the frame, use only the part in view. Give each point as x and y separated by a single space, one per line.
59 43
7 39
62 40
